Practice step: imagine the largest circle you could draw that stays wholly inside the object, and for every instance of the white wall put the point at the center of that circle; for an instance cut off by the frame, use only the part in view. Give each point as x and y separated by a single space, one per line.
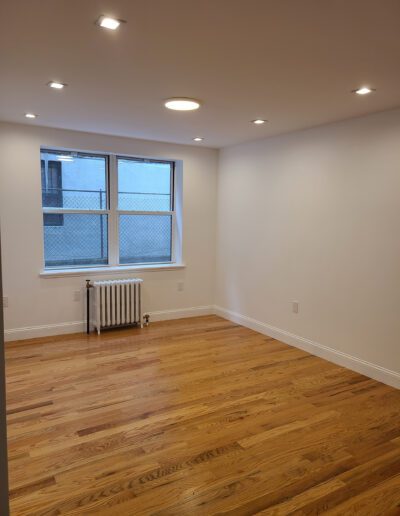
314 216
38 306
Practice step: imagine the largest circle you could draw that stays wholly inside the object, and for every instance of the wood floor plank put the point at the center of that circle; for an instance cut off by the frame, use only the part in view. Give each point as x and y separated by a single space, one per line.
195 417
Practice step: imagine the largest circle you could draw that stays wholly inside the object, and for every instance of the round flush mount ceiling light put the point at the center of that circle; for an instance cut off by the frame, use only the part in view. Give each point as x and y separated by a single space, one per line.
259 121
364 90
198 139
182 104
30 115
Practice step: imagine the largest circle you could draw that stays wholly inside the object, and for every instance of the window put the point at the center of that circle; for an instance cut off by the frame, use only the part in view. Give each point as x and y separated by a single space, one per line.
146 207
106 210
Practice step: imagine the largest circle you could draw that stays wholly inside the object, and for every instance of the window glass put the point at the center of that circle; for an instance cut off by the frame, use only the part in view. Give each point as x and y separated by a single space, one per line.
144 185
145 238
81 240
74 180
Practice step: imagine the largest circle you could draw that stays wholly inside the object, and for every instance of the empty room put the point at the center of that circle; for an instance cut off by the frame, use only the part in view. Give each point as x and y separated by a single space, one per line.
200 257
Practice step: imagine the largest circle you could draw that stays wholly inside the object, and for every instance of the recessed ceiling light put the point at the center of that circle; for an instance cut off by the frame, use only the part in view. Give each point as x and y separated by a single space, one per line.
198 139
56 85
259 121
182 104
30 115
108 23
364 90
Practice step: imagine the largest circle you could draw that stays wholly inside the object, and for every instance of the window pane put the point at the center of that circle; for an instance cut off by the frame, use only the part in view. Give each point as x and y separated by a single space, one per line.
80 240
145 238
144 186
73 180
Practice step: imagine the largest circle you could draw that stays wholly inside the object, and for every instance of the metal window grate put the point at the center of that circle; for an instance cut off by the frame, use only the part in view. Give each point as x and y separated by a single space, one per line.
82 240
145 238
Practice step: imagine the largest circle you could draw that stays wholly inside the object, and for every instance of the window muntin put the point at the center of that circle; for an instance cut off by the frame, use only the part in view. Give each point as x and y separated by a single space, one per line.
106 210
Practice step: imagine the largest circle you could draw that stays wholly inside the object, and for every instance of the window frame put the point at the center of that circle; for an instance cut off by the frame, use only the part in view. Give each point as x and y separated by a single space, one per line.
113 213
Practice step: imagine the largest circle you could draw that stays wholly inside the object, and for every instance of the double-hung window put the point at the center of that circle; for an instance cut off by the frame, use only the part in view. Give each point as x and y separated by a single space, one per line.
145 210
106 210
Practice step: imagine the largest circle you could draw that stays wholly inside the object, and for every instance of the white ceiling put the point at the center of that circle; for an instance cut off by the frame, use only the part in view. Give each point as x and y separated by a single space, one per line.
293 62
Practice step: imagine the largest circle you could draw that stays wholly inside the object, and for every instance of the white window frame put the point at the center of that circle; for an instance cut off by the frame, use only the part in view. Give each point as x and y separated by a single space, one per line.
113 212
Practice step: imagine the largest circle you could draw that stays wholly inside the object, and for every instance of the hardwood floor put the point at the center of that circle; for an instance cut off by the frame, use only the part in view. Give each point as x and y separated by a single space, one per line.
196 417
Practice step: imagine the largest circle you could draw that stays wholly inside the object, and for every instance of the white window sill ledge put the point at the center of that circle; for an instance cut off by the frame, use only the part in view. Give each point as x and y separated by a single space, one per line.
121 269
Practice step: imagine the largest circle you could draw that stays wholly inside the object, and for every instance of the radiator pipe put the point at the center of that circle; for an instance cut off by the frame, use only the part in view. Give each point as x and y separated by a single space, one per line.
88 287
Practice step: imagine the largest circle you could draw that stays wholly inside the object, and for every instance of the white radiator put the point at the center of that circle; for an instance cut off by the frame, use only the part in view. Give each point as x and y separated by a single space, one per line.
117 303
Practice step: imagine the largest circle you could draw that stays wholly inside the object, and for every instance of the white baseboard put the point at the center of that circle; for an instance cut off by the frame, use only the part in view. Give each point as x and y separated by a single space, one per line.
44 330
374 371
180 313
47 330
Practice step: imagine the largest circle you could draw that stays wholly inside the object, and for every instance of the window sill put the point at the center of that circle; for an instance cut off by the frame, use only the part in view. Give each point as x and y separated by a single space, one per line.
120 269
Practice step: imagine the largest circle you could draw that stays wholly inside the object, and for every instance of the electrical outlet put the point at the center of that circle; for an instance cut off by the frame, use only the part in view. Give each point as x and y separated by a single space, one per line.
77 295
5 302
295 307
180 286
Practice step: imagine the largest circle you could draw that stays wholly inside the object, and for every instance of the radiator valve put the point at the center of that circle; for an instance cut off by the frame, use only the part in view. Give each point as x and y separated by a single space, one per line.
146 318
